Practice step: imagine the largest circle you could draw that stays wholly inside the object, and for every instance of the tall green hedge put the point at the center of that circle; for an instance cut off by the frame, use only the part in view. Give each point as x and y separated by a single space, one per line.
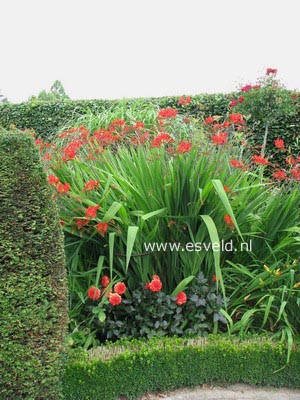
33 296
133 368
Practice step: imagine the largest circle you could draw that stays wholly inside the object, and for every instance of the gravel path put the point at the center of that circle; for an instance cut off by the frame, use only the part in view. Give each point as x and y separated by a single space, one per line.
235 392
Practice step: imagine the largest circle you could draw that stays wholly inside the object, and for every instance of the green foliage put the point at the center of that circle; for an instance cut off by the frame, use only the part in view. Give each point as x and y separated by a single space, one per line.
56 93
132 368
33 297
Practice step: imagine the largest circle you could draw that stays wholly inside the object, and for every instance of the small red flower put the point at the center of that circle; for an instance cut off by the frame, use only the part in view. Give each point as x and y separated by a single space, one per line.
214 278
279 174
241 99
236 118
229 221
295 173
184 100
81 223
102 228
236 163
53 180
209 120
105 281
260 160
147 285
221 138
63 187
233 103
290 160
161 139
120 288
62 222
271 71
181 298
246 88
91 184
115 299
91 211
155 285
167 113
279 143
184 147
94 293
47 156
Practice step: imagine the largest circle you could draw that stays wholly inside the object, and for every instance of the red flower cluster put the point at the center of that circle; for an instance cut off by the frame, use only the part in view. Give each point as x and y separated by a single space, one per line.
91 184
233 103
279 143
221 138
165 113
209 120
271 71
63 187
236 118
260 160
236 163
184 100
161 139
246 88
53 180
102 228
279 174
91 211
184 147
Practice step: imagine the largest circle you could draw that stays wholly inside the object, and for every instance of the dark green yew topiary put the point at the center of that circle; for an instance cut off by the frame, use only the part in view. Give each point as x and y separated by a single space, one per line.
33 293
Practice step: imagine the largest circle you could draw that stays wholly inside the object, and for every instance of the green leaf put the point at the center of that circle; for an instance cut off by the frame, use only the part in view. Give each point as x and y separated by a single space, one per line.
182 285
131 236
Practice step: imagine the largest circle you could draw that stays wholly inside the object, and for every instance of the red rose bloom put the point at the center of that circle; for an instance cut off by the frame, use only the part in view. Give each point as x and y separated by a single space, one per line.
115 299
105 281
155 285
271 71
279 143
260 160
94 293
181 298
120 288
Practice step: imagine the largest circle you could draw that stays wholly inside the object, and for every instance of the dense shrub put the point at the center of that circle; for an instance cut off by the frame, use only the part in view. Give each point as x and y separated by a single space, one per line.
33 299
133 368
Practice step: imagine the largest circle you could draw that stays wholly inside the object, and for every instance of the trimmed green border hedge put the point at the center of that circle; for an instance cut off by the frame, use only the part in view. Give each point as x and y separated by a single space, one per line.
133 368
33 293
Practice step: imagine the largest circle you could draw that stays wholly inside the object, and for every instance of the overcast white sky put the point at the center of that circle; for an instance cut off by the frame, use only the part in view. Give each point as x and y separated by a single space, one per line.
139 48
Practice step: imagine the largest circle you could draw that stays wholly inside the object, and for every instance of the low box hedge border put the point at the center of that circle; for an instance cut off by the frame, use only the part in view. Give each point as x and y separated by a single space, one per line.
133 368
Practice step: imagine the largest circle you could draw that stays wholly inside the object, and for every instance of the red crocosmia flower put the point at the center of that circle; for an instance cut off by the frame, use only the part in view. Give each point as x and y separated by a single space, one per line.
209 120
63 187
115 299
246 88
184 147
91 184
161 139
271 71
62 222
226 124
279 143
260 160
105 281
241 99
117 122
295 173
47 156
233 103
167 113
290 160
53 180
221 138
102 228
236 163
120 288
91 211
147 285
236 118
81 223
229 221
94 293
184 100
155 285
181 298
139 124
279 174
